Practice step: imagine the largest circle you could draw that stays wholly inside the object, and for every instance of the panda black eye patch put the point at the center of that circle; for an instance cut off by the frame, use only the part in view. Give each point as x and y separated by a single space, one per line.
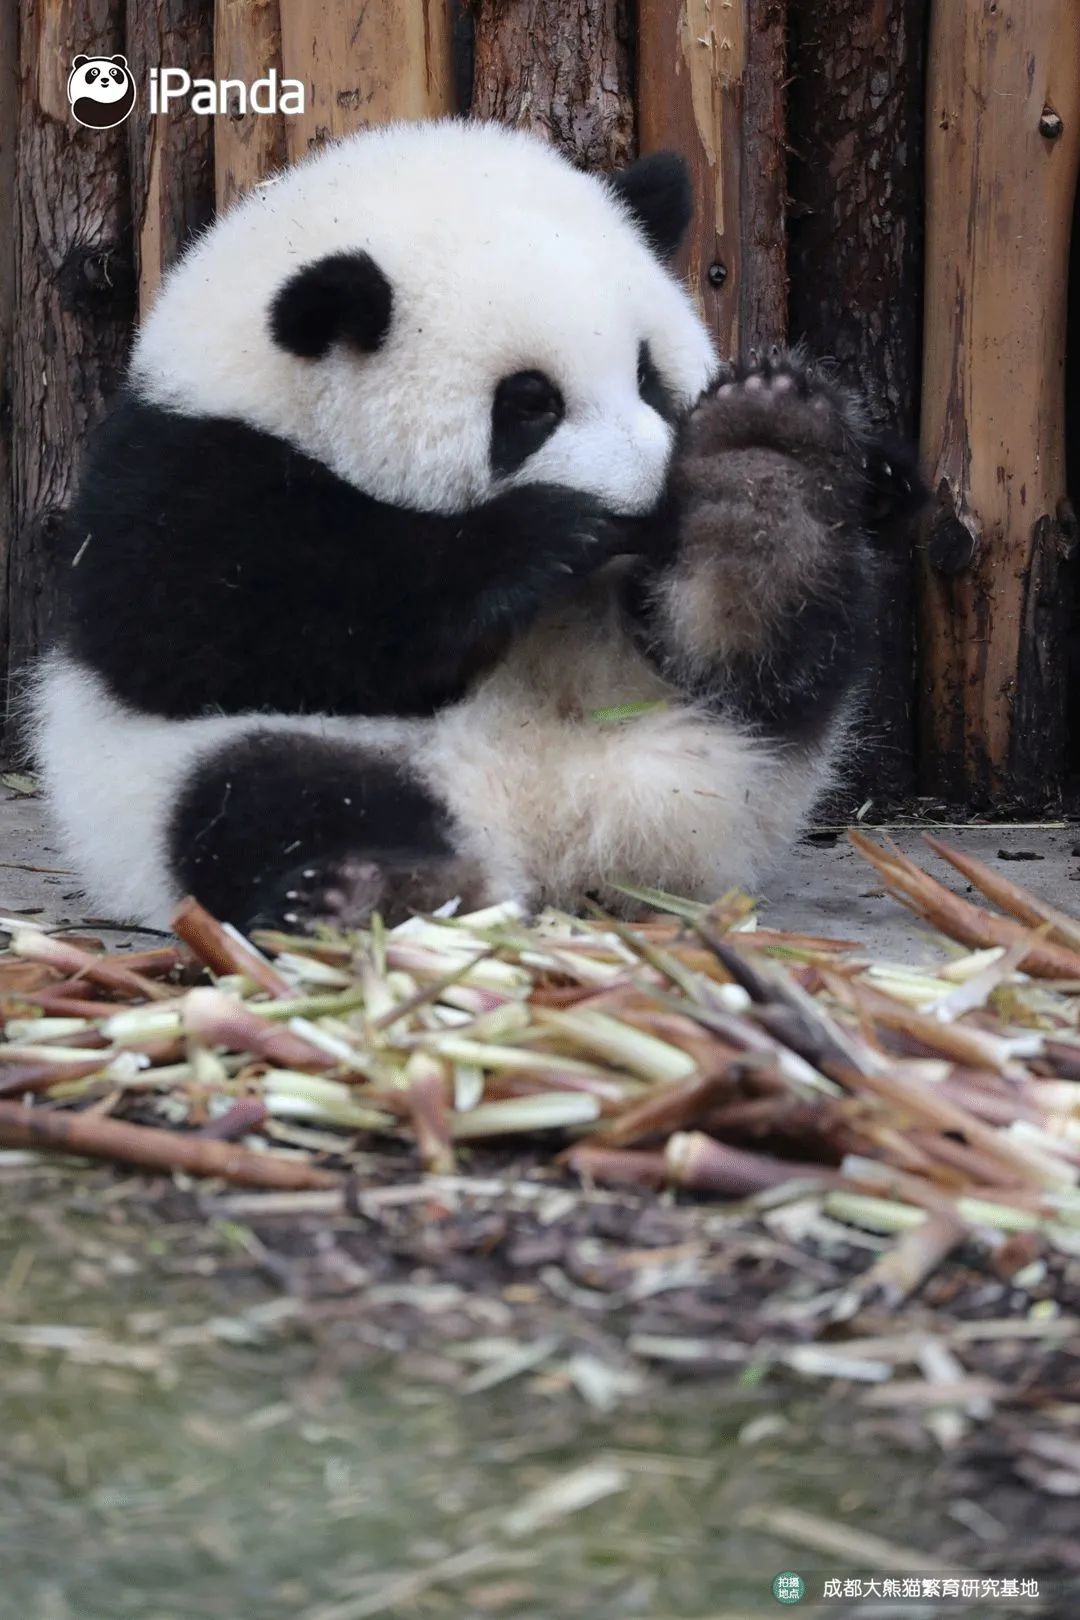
651 385
526 410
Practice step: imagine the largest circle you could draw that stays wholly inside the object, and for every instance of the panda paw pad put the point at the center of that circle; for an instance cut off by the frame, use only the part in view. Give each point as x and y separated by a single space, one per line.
338 893
783 402
343 892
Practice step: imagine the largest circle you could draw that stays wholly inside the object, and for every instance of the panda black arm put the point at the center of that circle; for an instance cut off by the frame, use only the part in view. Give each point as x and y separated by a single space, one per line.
763 583
218 568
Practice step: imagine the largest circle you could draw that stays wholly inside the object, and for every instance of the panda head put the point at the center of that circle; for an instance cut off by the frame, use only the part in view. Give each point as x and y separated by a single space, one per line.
436 311
101 90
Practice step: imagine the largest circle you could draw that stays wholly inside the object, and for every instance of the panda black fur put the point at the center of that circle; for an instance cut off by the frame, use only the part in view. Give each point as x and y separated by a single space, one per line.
424 458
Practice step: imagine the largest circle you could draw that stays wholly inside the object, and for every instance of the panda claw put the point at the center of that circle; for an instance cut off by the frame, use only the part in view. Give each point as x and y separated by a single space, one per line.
343 892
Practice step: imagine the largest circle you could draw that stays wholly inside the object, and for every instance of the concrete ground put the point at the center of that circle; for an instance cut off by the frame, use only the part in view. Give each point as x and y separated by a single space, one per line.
823 888
826 888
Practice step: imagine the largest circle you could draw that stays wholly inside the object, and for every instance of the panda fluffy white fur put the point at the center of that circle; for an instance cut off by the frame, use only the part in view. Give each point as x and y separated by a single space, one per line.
424 459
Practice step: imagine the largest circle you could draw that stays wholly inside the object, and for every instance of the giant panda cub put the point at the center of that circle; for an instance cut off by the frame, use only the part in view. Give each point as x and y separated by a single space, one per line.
425 465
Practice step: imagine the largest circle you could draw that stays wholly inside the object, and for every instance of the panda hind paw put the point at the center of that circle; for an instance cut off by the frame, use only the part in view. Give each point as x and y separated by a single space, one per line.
784 402
343 892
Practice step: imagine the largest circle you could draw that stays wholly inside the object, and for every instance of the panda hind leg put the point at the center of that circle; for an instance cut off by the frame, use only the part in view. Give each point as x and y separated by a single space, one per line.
290 831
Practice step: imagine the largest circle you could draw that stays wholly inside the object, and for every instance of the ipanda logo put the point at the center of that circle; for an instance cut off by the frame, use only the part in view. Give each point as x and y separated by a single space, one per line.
101 91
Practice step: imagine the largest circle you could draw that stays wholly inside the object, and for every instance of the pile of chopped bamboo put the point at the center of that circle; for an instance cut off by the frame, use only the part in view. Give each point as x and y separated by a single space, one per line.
696 1050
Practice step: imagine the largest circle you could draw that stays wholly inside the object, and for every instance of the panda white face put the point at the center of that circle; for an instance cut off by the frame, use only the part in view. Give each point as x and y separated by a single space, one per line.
436 311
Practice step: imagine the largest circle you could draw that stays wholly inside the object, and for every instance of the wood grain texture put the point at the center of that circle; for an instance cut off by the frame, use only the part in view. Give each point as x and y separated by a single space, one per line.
855 125
74 295
364 62
711 86
247 146
170 154
562 69
1003 147
9 105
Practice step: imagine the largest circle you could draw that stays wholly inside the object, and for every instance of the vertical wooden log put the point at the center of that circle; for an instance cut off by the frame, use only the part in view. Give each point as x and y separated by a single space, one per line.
461 55
364 62
855 122
171 153
247 146
561 68
9 104
74 293
1003 147
711 86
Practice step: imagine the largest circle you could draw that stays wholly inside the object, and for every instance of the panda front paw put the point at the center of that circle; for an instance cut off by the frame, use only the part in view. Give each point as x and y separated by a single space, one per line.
549 539
566 533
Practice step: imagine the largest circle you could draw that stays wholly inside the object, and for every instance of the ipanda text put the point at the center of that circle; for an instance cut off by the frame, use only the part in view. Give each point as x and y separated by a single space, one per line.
170 85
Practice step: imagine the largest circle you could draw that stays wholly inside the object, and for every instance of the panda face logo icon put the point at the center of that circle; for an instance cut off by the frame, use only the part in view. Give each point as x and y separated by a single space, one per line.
101 91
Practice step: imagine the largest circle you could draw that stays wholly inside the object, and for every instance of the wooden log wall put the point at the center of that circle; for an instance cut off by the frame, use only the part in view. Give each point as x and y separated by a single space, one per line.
1003 151
9 107
74 296
711 85
804 128
856 261
562 70
248 146
171 160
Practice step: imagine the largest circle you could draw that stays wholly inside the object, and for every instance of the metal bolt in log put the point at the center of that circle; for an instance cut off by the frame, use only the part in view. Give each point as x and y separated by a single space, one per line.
1050 124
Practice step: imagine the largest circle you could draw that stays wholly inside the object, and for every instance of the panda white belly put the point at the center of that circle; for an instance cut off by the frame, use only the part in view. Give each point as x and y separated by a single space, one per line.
546 798
554 802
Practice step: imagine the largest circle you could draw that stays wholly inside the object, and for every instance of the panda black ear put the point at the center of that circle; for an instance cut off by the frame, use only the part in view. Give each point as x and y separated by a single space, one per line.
121 59
77 61
658 193
344 298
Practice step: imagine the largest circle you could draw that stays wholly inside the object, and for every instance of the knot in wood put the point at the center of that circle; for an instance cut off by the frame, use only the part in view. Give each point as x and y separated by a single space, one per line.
1051 124
717 273
93 278
951 546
